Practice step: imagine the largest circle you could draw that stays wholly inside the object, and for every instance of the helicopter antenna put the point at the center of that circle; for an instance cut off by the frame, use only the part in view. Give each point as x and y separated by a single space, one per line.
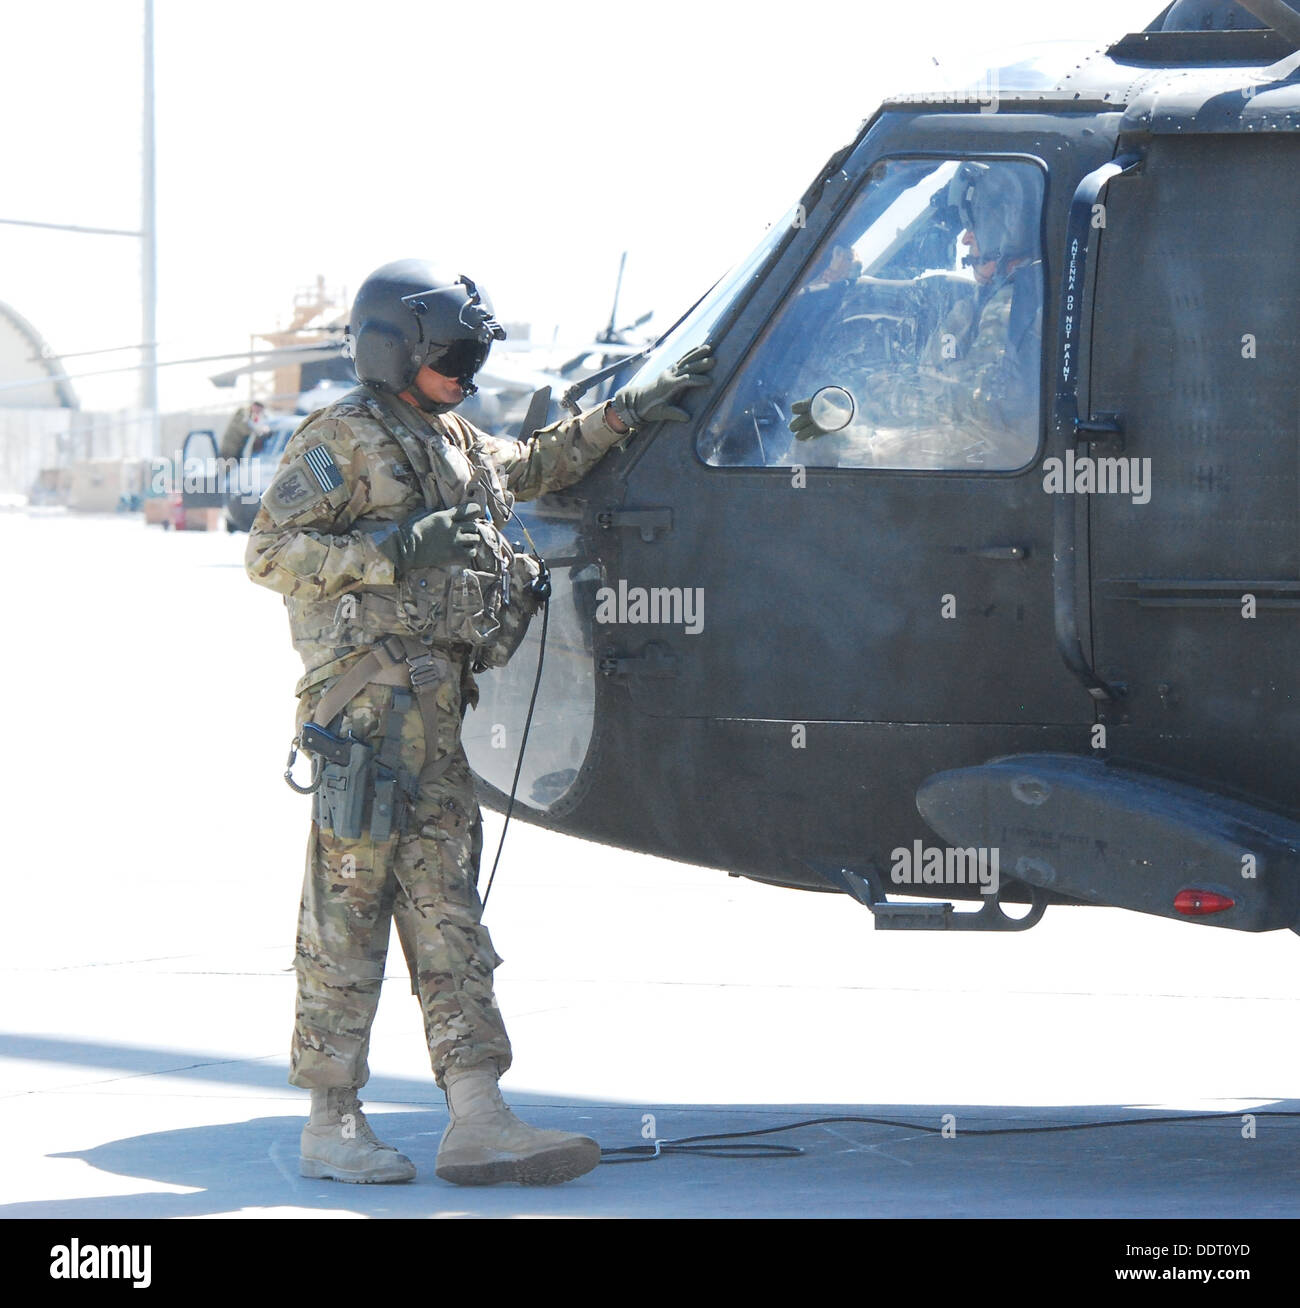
611 334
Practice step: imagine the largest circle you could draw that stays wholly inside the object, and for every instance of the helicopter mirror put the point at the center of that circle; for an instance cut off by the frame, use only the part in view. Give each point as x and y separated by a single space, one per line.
832 408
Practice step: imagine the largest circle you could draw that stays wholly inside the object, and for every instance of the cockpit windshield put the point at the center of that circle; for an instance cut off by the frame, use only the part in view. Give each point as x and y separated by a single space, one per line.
913 339
694 329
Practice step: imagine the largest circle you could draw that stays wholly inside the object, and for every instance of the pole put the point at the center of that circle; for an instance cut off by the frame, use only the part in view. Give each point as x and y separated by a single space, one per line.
148 248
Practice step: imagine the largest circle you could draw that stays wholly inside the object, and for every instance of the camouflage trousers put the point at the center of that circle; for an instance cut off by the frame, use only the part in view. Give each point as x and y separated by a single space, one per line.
425 879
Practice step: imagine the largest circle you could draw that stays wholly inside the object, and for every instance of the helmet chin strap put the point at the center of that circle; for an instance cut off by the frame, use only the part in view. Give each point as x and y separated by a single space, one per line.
425 404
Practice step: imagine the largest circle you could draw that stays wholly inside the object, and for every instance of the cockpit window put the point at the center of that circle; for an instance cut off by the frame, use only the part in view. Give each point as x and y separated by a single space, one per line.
914 338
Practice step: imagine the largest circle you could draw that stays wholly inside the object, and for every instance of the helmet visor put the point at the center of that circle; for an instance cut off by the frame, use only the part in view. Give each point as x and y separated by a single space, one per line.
460 359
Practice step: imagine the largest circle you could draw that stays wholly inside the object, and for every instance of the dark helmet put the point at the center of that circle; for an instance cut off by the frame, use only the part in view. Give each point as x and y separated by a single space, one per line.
1207 16
996 201
408 314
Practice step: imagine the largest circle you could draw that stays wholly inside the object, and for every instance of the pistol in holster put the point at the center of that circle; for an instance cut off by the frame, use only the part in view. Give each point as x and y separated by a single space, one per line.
356 791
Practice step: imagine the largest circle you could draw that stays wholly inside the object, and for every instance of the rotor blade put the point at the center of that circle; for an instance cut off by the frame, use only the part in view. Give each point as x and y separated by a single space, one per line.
538 407
266 360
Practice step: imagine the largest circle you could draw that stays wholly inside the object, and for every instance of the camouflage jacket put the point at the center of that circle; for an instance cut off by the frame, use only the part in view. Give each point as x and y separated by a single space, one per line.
371 459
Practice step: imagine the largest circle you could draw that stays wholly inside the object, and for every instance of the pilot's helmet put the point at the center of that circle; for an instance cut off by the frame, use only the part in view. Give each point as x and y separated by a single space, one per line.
1208 16
408 314
995 201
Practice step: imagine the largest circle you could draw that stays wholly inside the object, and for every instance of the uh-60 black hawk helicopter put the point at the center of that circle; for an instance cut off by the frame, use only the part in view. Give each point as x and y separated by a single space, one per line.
976 574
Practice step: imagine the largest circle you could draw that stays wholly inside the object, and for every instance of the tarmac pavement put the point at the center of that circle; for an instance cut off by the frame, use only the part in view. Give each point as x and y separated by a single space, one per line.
150 895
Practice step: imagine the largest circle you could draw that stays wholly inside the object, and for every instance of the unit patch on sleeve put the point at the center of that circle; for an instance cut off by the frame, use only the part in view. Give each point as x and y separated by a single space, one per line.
292 490
304 484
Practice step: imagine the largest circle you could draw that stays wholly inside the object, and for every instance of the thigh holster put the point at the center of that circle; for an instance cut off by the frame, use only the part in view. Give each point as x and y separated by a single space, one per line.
357 787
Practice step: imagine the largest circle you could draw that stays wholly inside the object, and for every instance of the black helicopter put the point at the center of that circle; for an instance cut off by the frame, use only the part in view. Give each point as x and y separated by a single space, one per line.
1015 635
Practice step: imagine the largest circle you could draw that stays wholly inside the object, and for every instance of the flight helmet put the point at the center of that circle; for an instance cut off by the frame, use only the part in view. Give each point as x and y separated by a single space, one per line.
408 314
997 203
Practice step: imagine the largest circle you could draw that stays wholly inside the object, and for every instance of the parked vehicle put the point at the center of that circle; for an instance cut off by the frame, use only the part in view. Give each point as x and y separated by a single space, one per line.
257 464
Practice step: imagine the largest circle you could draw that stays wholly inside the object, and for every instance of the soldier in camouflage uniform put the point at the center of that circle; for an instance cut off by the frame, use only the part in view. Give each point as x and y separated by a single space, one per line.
383 531
244 422
969 394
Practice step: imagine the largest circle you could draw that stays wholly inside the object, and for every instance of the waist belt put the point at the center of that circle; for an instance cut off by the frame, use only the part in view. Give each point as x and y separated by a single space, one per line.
394 661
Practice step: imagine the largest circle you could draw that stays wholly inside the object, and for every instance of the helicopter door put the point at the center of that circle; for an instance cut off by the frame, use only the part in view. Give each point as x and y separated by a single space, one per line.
889 560
563 715
202 482
1195 521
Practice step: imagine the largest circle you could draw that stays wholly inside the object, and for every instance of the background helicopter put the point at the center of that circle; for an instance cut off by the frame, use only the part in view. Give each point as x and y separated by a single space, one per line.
816 659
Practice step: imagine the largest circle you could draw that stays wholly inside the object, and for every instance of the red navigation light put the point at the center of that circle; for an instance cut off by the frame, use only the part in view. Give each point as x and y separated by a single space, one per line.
1201 903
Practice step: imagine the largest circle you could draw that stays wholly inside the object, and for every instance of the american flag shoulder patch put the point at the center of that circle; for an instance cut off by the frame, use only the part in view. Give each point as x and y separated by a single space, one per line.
322 466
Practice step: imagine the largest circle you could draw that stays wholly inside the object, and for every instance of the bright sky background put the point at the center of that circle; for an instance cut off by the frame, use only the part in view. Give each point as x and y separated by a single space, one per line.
526 145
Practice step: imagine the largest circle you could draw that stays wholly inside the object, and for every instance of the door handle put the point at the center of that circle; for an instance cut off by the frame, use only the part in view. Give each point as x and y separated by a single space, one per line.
649 522
655 660
1073 361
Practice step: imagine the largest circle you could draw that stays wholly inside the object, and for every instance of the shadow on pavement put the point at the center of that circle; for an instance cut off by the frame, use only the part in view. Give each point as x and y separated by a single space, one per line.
1225 1167
269 1072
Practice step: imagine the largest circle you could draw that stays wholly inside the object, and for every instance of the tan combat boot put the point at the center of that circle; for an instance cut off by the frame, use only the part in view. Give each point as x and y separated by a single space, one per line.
485 1143
339 1145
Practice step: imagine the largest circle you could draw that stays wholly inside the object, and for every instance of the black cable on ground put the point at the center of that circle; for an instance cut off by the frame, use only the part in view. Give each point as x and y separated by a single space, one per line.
688 1144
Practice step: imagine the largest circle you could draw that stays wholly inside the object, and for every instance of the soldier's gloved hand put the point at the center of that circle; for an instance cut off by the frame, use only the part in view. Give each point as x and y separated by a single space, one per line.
446 538
639 406
803 424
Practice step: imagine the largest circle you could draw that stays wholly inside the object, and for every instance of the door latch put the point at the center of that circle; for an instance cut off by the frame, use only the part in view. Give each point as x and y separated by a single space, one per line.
1103 431
649 522
655 660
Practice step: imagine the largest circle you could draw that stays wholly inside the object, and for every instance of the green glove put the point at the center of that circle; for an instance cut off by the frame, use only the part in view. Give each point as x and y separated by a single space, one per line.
803 424
639 406
445 539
